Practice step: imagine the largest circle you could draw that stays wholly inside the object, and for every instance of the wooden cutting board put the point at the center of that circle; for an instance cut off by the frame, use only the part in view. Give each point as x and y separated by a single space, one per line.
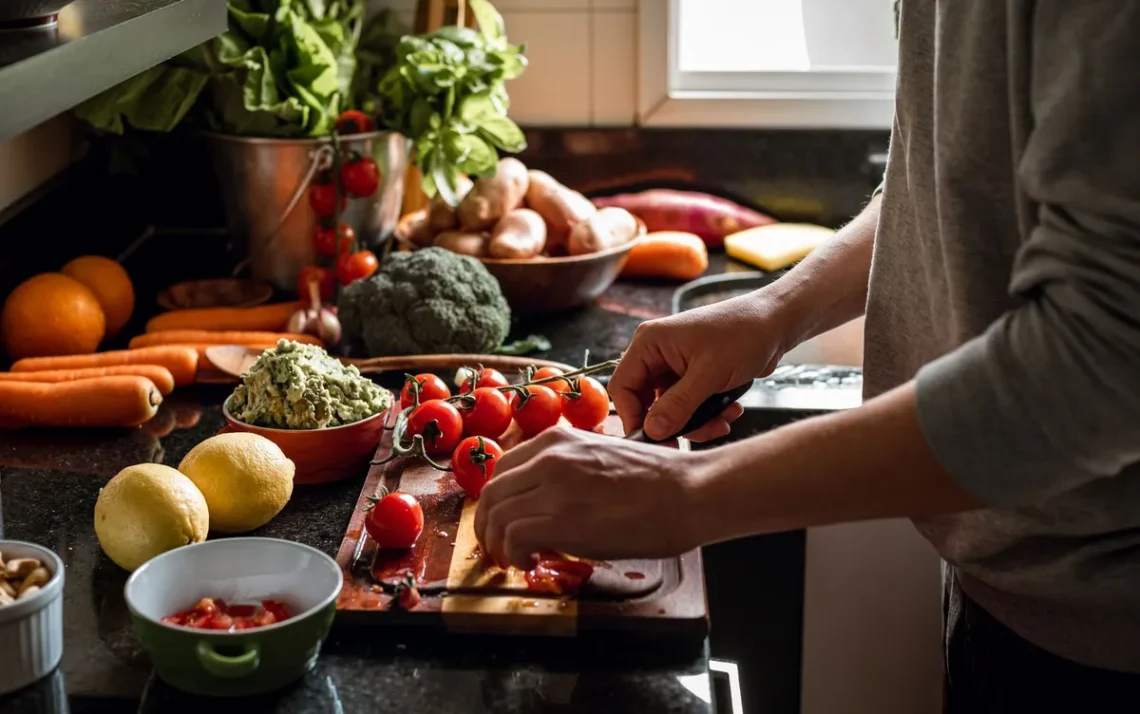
463 592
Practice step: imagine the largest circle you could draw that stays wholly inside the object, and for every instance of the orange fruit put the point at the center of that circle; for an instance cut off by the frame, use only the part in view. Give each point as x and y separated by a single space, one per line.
111 286
51 314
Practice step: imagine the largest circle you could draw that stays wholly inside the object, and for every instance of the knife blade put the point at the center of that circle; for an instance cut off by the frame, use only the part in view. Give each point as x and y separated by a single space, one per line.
708 410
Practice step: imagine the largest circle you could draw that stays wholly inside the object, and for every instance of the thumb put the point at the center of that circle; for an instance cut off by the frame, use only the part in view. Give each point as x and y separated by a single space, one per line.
676 406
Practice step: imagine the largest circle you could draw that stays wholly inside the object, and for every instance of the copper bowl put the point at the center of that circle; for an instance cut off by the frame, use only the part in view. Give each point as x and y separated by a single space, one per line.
322 455
548 284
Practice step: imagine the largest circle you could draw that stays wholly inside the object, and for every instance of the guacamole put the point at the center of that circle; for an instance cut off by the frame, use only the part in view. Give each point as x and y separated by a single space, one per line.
295 386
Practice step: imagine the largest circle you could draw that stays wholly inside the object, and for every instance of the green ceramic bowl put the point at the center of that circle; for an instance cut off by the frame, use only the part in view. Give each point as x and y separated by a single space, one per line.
237 570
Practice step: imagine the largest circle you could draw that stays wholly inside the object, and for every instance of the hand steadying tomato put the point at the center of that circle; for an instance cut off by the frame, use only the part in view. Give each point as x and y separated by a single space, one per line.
360 176
395 521
559 576
474 463
538 411
430 387
558 385
326 282
483 378
588 406
354 121
322 197
327 244
439 424
486 413
356 266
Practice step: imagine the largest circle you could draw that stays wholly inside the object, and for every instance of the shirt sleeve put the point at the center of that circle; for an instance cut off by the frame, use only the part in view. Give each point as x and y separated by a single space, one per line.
1048 398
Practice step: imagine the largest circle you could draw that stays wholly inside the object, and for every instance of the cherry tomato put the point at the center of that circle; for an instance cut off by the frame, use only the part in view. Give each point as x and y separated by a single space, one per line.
474 463
360 177
438 423
538 412
589 407
354 121
558 576
483 378
327 244
322 197
561 385
395 521
487 413
430 387
324 278
355 266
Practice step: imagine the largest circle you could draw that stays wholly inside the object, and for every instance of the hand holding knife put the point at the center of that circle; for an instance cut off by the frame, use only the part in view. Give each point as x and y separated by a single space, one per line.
709 409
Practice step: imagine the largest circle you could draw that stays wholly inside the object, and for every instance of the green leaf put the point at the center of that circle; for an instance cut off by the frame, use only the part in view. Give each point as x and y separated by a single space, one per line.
503 133
445 177
476 107
531 343
420 117
489 20
312 65
254 25
470 154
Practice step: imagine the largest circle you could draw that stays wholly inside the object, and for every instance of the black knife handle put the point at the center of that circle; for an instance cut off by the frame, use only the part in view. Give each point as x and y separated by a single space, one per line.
709 409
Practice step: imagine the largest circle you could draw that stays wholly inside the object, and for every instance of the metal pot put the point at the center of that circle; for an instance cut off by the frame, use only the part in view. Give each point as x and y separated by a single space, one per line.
19 10
264 185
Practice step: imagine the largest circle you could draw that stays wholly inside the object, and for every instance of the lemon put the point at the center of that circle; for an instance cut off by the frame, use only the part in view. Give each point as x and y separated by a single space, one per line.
245 478
146 510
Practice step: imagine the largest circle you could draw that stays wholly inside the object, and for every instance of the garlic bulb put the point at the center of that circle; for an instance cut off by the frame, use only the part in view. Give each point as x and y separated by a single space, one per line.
316 319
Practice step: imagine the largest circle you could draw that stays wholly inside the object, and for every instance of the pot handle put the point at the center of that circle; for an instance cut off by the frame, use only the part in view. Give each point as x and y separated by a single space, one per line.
225 666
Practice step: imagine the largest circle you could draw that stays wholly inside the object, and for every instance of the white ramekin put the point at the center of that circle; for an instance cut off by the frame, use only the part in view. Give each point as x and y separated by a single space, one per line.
32 629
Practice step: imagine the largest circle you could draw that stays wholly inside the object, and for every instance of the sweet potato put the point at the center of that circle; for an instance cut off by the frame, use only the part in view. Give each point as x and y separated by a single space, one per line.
473 244
710 217
608 228
100 401
441 215
667 254
562 208
520 234
493 197
181 361
270 318
161 376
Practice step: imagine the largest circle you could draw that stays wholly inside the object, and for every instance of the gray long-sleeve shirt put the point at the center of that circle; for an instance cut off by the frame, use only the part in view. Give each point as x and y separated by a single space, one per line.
1006 276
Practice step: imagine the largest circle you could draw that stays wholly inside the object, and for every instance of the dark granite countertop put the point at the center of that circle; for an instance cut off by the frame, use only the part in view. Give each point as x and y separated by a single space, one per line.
49 482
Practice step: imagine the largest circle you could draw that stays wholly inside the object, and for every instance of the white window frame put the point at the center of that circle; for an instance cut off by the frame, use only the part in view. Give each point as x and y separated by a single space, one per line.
851 99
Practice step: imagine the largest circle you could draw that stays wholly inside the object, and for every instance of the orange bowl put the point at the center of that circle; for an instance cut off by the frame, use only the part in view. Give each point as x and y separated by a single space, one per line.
322 455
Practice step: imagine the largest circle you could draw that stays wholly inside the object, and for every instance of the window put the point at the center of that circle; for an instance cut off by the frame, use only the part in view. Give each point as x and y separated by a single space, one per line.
773 63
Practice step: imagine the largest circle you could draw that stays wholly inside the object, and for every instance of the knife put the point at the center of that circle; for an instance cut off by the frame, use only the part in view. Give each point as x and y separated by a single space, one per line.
708 410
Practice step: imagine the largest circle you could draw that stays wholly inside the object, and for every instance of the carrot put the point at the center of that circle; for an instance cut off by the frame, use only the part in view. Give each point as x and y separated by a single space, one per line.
270 317
217 337
161 376
667 254
180 361
121 400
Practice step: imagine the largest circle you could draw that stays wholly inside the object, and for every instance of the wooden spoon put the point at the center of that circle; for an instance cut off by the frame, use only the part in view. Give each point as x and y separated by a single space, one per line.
234 360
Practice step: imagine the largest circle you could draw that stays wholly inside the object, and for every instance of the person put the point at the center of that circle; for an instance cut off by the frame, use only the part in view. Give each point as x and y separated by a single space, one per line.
999 272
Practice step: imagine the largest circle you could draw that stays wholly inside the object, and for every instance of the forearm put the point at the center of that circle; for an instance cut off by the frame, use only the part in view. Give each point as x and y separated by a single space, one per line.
860 464
829 287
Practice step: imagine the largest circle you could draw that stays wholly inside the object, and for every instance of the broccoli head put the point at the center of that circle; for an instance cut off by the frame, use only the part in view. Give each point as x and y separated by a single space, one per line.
430 301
